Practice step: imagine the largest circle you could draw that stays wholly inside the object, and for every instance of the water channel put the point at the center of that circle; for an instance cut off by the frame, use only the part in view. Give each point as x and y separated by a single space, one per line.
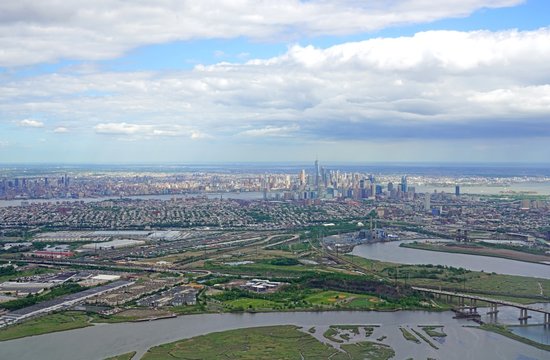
392 252
251 195
101 341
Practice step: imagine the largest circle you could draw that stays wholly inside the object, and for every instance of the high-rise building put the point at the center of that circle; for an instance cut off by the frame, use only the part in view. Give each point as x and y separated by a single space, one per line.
427 201
302 177
317 174
457 190
404 184
390 186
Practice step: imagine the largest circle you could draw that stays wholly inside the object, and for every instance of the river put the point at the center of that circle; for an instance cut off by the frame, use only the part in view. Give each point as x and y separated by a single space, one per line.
101 341
252 195
392 252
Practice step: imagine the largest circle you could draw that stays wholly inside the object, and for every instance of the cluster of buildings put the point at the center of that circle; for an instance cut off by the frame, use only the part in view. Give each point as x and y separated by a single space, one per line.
37 284
255 285
133 292
176 296
179 213
60 303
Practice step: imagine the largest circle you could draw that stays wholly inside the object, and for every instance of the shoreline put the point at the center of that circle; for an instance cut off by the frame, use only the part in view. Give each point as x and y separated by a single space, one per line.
175 315
473 253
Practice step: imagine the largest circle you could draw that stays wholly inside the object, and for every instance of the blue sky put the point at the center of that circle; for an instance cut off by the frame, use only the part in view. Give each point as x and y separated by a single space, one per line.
223 81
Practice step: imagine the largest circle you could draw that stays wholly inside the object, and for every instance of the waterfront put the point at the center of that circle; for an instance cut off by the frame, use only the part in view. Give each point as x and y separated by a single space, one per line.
392 252
252 195
105 340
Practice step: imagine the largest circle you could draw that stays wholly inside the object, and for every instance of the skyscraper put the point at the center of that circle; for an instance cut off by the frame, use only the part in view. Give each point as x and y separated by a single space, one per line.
457 190
404 184
302 177
427 201
317 173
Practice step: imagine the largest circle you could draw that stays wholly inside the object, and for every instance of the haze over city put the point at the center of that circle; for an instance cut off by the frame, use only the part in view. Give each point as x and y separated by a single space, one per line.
219 81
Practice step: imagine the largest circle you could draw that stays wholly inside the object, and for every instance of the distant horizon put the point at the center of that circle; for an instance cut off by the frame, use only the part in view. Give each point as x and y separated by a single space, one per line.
282 163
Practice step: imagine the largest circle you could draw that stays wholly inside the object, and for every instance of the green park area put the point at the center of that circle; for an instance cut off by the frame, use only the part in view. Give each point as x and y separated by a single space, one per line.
320 291
287 342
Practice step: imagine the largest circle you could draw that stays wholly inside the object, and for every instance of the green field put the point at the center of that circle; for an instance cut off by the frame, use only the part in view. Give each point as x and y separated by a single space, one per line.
507 287
408 335
127 356
253 304
331 298
368 350
434 331
272 342
57 322
305 299
45 324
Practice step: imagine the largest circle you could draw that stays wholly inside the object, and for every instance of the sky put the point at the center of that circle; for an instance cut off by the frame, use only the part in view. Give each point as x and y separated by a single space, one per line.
273 81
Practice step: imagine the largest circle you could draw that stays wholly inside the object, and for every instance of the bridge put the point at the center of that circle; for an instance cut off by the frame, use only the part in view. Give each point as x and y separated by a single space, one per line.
493 304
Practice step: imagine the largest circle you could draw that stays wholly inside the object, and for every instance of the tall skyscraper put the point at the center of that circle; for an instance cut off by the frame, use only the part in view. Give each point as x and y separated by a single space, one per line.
317 174
404 184
427 201
457 190
302 177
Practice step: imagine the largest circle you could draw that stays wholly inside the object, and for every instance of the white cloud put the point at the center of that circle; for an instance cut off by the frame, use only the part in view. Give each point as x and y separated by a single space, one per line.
122 129
434 83
197 135
272 131
31 123
60 130
34 32
147 130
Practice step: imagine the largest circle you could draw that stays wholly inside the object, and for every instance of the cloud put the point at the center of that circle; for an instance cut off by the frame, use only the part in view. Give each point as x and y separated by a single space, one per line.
147 130
271 131
60 130
31 123
435 84
33 32
123 129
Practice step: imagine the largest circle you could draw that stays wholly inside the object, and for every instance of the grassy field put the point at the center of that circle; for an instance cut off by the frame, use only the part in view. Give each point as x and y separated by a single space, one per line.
424 338
261 269
254 304
272 342
59 322
312 299
127 356
434 331
284 342
45 324
513 288
345 300
408 335
368 350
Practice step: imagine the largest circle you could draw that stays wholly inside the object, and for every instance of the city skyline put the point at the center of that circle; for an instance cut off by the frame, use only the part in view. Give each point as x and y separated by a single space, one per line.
344 81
